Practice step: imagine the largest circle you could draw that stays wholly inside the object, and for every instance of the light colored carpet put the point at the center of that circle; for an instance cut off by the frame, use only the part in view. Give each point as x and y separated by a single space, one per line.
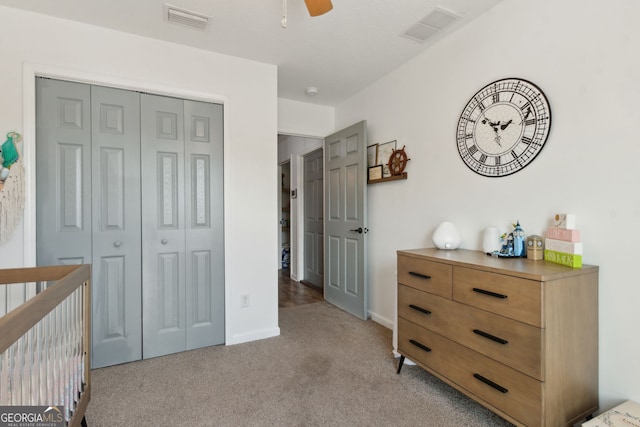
327 368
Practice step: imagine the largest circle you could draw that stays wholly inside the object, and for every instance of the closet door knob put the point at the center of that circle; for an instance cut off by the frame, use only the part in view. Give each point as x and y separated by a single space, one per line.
117 243
164 241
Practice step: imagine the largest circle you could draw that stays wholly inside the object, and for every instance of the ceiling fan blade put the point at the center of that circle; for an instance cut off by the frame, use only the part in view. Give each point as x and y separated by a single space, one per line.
318 7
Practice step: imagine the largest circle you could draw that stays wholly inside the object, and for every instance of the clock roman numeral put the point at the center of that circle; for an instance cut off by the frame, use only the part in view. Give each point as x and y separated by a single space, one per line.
480 104
527 140
530 122
468 136
483 158
473 149
514 155
495 97
497 159
525 106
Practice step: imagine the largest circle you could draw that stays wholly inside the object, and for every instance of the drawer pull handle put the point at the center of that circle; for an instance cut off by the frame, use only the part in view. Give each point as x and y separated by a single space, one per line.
419 345
420 309
491 294
491 337
420 275
491 383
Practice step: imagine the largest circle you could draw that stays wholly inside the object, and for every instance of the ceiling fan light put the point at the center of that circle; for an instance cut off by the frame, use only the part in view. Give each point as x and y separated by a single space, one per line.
318 7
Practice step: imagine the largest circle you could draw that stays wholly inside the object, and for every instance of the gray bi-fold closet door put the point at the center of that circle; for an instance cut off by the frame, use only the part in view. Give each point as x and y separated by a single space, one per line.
132 183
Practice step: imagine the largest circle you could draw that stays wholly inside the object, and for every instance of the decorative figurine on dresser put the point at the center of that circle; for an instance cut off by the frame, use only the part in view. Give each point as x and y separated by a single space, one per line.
513 244
518 336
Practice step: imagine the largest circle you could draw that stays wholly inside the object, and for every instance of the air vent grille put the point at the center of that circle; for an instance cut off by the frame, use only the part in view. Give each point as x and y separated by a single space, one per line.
186 17
431 24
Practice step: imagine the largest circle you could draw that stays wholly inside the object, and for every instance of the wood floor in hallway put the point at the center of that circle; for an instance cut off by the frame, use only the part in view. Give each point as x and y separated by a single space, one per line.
292 293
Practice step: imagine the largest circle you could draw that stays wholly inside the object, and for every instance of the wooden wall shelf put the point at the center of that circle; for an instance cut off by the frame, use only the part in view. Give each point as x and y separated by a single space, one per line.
390 178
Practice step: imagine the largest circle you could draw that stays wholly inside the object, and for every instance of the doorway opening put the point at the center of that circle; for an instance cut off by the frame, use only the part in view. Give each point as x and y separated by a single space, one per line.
293 204
342 169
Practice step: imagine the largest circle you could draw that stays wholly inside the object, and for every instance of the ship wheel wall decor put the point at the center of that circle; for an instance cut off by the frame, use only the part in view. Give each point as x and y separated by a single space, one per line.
398 161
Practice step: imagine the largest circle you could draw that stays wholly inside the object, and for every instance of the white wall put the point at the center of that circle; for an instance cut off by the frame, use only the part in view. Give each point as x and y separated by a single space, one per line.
305 119
249 92
583 54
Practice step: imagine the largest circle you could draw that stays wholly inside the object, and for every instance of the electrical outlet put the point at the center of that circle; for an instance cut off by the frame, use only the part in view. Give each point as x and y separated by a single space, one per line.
244 300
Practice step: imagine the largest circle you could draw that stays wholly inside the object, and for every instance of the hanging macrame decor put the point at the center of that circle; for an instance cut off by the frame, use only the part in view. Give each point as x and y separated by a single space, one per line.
11 186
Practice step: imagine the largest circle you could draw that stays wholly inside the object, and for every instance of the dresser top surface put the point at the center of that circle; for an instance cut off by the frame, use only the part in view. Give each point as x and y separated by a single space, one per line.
522 267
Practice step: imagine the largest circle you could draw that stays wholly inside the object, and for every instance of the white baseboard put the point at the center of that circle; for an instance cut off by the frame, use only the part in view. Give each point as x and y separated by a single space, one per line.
253 336
381 320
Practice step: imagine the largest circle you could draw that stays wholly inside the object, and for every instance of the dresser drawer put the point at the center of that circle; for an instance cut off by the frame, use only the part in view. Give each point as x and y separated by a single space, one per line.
508 296
513 343
425 309
425 275
518 395
507 341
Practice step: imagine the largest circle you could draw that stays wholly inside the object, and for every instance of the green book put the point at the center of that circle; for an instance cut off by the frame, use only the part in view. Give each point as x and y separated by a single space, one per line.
570 260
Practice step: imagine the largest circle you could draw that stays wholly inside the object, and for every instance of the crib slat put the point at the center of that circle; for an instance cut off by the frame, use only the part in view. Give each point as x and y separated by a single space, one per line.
17 322
45 342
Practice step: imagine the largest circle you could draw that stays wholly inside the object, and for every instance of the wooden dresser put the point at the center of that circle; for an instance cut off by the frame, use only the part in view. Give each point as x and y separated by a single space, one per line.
516 335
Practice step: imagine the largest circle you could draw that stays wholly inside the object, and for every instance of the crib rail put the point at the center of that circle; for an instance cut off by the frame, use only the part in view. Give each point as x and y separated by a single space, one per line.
45 342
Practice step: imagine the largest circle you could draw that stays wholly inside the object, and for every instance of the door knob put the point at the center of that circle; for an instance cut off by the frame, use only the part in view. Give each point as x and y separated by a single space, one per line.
164 241
117 243
357 230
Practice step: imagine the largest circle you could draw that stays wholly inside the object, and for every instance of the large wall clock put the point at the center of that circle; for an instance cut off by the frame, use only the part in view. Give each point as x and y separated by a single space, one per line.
503 127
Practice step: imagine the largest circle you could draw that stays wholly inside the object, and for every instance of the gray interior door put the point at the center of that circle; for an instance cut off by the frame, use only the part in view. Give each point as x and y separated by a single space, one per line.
99 201
314 219
163 230
204 222
116 248
183 271
345 177
63 172
88 203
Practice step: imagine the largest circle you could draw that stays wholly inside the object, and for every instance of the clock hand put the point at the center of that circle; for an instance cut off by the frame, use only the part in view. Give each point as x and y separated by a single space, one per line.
504 126
526 115
494 125
488 121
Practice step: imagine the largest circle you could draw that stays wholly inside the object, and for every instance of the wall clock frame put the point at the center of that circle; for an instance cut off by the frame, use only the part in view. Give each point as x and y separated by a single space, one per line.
503 127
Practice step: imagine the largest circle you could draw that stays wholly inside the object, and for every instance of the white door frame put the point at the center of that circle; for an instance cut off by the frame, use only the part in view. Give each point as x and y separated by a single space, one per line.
280 199
29 73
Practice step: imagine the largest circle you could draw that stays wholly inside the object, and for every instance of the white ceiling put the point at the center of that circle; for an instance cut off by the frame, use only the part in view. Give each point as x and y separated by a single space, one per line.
340 52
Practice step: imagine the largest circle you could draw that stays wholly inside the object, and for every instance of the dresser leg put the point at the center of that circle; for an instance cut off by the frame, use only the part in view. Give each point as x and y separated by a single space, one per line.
400 364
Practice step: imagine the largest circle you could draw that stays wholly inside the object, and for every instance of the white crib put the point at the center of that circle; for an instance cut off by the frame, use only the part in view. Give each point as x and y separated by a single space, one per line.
45 342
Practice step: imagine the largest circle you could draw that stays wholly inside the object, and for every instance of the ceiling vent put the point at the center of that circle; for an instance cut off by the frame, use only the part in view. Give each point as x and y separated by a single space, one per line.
185 17
431 24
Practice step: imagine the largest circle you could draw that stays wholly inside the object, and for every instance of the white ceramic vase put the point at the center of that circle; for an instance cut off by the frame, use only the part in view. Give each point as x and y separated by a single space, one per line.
491 240
446 236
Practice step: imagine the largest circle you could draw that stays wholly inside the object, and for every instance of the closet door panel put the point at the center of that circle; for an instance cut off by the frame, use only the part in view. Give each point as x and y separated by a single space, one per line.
204 224
133 184
63 172
116 249
163 225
